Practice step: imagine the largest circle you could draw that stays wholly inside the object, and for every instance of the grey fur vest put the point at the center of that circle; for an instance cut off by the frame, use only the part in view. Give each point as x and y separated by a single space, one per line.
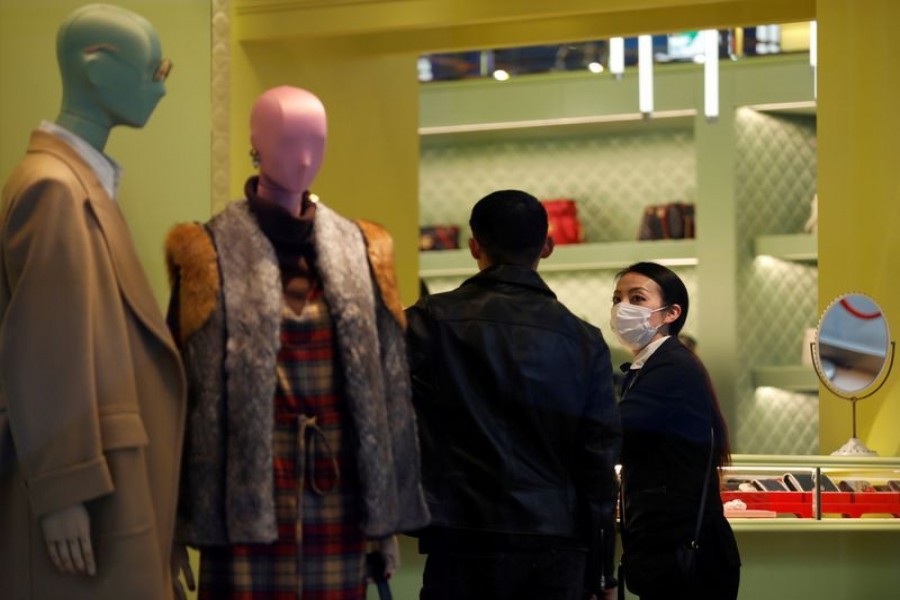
227 481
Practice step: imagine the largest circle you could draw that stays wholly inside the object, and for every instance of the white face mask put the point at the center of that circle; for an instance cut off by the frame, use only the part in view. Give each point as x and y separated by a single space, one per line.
631 324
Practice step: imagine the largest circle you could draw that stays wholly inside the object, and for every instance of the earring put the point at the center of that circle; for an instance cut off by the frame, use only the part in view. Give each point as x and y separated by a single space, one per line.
254 157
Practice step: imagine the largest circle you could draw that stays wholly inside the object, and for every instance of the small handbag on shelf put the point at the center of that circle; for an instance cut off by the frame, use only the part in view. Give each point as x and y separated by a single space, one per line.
439 237
670 221
562 221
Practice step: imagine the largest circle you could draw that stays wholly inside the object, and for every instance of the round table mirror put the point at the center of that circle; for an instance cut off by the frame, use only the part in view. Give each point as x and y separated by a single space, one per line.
853 344
852 352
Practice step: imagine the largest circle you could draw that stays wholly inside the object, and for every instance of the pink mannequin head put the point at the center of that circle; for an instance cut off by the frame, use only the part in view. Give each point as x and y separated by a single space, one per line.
287 130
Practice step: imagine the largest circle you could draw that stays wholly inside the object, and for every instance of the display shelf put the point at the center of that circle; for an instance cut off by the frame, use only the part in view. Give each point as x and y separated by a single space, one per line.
813 525
791 246
556 127
572 257
797 378
801 107
856 463
836 491
553 104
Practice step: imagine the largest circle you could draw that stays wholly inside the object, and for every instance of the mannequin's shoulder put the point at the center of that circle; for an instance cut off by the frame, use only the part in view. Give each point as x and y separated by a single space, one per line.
193 270
378 239
38 165
39 172
188 244
380 250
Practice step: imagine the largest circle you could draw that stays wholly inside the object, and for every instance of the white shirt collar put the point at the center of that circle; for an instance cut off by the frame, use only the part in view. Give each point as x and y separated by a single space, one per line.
107 170
647 352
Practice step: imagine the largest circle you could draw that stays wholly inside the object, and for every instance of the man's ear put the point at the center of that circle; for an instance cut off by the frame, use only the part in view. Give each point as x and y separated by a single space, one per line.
475 248
549 245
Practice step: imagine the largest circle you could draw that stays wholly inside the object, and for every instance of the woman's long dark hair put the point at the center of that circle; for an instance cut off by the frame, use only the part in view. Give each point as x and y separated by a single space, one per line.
674 292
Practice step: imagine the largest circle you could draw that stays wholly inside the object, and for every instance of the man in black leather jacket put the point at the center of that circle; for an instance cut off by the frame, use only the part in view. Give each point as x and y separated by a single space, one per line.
518 424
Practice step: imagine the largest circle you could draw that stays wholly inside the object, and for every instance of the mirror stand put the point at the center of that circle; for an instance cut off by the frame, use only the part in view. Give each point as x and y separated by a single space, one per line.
854 446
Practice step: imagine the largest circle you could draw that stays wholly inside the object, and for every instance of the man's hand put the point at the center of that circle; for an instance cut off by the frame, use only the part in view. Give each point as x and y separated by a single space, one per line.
181 564
67 533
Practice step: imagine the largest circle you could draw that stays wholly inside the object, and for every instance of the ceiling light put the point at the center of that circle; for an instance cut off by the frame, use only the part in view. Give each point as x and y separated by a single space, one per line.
711 73
645 74
617 56
814 54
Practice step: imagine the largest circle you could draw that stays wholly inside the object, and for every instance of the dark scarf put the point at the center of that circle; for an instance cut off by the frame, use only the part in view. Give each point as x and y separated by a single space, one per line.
292 239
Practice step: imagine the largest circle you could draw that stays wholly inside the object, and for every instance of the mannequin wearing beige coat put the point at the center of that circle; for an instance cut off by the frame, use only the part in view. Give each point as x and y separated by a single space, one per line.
91 387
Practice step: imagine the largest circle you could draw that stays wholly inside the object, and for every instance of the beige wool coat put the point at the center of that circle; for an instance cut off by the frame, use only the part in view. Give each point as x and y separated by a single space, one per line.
91 387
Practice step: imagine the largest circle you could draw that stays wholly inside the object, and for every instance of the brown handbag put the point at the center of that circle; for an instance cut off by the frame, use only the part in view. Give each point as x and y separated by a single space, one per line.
670 221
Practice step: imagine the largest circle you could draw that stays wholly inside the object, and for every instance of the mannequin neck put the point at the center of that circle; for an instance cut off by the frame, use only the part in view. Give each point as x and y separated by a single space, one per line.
286 199
92 132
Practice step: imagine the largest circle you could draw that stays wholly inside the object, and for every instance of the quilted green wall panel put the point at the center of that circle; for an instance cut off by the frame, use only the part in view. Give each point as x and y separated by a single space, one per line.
775 175
610 176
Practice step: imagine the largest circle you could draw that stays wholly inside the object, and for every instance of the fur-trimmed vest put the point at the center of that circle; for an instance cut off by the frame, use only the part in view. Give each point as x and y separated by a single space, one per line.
229 308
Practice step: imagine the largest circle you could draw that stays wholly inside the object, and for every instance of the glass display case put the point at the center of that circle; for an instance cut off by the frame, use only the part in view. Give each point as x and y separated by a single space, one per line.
817 488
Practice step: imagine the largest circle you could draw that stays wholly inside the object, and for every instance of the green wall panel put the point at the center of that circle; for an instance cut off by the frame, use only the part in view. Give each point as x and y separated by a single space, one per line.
612 176
775 174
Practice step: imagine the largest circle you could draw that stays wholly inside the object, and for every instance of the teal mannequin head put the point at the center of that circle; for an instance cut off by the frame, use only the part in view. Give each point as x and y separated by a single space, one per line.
112 71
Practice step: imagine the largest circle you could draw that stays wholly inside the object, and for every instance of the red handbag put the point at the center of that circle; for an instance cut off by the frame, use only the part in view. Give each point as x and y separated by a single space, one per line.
439 237
562 220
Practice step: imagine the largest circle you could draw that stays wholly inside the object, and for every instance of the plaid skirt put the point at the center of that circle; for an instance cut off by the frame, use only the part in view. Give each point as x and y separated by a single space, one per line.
320 550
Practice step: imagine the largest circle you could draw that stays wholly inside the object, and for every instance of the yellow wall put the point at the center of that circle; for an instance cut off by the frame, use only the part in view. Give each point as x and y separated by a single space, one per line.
859 192
167 166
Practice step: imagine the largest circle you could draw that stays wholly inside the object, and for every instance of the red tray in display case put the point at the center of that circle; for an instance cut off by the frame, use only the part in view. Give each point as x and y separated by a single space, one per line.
801 504
856 504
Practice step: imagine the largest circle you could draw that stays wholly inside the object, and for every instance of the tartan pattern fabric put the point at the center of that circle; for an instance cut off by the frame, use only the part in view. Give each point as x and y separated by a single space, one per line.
320 550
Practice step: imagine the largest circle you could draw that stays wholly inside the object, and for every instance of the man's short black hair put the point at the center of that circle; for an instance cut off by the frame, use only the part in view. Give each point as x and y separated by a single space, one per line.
510 226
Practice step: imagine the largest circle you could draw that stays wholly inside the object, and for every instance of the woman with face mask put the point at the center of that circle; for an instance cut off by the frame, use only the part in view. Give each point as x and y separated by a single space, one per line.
674 441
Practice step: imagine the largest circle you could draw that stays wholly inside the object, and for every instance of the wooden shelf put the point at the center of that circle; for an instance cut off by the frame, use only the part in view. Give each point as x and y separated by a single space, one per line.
796 378
612 255
571 257
563 127
801 107
801 247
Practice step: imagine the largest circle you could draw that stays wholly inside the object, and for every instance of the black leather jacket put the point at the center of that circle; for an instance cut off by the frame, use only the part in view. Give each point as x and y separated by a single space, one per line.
517 419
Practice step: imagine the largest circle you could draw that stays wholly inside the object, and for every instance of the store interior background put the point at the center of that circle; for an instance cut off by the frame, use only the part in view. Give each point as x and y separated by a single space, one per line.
361 59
